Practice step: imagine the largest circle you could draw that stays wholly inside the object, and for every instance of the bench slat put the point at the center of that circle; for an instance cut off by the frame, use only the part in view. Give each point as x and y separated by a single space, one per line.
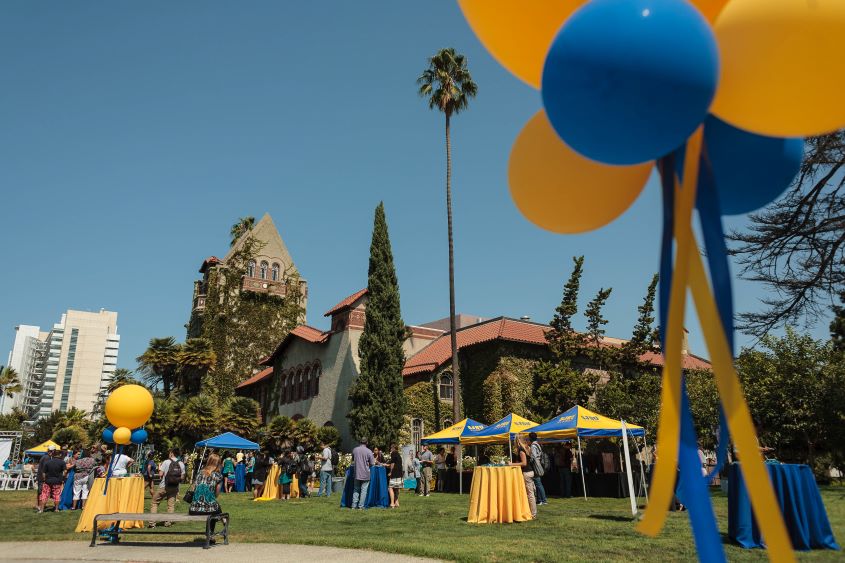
160 517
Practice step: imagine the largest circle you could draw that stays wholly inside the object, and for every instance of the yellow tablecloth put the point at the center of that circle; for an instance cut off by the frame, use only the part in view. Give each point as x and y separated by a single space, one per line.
498 496
125 494
272 489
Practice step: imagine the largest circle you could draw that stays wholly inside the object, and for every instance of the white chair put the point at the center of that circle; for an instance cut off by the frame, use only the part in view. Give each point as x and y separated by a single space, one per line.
4 480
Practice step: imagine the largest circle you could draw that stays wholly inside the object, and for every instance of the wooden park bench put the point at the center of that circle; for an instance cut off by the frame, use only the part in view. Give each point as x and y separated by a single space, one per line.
114 532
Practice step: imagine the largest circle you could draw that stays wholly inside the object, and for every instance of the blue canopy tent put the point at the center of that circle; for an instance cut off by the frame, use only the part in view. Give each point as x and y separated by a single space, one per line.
229 441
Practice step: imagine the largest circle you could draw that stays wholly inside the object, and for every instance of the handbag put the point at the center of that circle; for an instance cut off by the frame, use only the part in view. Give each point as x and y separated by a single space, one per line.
189 494
396 483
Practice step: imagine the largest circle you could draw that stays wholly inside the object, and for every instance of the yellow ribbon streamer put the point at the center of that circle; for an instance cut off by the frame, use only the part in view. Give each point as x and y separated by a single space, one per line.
760 493
669 429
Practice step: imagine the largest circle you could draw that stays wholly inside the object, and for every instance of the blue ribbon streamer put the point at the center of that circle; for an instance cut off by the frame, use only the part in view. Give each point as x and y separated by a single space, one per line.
692 489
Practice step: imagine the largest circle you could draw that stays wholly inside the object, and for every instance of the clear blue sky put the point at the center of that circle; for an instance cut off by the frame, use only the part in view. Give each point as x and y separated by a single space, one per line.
132 135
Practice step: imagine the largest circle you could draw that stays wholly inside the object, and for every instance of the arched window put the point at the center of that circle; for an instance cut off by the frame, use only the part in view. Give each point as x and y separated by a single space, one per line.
250 269
284 392
318 371
447 422
263 272
275 271
290 387
416 432
329 423
446 387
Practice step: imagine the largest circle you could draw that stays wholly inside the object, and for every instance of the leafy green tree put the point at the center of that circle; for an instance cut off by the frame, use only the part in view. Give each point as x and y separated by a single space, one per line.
642 339
280 431
71 437
9 384
199 417
794 387
159 363
378 401
14 420
595 328
242 416
304 433
244 224
44 428
634 399
557 383
163 427
837 325
448 86
73 417
329 435
196 360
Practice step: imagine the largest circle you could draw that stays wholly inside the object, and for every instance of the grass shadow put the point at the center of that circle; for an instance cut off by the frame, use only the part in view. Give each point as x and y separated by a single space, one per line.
611 517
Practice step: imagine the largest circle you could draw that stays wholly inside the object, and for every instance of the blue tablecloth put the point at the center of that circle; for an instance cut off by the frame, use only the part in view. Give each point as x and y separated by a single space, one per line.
799 499
240 478
377 495
66 500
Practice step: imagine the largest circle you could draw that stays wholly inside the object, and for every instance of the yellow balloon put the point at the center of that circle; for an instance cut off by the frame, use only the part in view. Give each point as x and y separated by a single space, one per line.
129 406
122 435
559 190
781 66
518 33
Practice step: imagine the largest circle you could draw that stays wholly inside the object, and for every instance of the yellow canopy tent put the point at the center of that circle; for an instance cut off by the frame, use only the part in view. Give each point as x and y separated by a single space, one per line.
41 449
453 434
579 422
500 432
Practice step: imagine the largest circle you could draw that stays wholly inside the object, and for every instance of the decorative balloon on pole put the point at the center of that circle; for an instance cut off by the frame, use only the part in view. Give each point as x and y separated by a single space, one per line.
717 93
128 408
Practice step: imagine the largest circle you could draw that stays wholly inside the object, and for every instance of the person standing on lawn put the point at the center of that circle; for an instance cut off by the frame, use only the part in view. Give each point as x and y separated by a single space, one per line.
82 471
427 462
520 459
149 472
260 471
536 453
51 473
326 470
363 459
395 474
287 471
228 472
172 472
563 461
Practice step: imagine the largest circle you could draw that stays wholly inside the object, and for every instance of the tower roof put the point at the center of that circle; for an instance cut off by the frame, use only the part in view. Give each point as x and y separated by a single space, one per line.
265 231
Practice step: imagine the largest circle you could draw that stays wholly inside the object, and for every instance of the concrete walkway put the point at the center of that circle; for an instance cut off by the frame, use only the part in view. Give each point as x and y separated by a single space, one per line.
181 552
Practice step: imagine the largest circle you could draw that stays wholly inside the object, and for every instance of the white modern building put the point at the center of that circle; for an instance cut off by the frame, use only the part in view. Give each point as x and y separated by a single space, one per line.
26 358
68 366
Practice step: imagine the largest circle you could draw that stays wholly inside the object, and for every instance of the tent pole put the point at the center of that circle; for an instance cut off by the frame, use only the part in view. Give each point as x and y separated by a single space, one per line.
460 461
581 467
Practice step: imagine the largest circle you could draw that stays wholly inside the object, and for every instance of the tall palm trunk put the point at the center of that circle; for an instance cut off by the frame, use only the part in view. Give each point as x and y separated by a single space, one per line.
456 378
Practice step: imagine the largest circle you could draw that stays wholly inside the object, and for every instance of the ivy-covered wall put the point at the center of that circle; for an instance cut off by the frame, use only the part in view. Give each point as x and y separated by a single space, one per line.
243 326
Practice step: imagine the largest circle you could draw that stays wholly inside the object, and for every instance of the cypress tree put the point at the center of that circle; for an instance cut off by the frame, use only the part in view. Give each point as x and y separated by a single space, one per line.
595 330
562 339
643 336
378 401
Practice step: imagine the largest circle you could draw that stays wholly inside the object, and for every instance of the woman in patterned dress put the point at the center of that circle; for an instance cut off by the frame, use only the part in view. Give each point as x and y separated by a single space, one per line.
207 489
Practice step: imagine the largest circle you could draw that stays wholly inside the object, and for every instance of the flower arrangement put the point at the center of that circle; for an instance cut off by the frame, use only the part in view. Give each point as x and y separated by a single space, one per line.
343 463
498 460
469 463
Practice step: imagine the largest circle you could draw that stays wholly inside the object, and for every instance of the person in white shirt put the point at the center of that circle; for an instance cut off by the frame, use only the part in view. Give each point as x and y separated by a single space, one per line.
326 471
120 463
168 487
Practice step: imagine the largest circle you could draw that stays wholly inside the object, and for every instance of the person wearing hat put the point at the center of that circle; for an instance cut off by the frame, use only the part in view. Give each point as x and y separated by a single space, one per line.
51 475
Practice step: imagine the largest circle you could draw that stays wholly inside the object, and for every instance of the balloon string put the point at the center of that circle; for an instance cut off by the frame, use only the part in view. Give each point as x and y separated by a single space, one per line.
710 215
766 508
669 432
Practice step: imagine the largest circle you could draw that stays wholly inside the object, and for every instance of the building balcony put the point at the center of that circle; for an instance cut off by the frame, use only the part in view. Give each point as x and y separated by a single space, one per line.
270 287
199 302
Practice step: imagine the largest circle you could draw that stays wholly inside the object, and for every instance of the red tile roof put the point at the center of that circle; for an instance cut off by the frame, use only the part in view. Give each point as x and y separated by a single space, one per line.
210 261
305 332
260 376
346 303
439 351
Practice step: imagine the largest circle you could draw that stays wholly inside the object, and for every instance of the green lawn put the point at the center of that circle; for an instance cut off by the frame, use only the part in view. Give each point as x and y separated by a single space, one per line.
596 529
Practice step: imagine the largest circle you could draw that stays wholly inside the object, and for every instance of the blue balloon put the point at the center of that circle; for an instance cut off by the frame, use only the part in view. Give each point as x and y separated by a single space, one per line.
628 81
749 170
139 436
108 435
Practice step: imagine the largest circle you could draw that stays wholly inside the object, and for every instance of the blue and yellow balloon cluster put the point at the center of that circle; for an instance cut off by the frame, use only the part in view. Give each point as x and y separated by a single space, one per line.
128 408
718 94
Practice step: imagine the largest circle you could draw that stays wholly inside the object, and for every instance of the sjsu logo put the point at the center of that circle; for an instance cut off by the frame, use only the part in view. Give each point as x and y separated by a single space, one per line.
479 427
588 417
567 418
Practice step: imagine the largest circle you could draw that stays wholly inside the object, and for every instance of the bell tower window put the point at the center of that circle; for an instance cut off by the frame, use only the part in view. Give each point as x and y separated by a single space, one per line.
263 272
250 269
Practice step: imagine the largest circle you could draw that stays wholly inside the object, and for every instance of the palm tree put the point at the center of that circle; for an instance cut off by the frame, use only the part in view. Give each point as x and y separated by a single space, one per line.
243 225
73 417
448 86
9 385
159 362
196 358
